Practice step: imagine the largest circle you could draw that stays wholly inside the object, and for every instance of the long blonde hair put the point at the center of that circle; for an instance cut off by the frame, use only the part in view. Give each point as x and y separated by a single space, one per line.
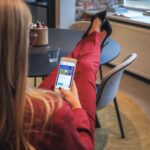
15 19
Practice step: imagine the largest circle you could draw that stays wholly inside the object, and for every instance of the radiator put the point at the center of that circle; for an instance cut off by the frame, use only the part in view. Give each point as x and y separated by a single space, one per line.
133 39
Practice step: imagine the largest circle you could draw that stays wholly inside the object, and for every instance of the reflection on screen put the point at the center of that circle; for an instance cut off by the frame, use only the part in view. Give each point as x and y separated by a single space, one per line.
65 74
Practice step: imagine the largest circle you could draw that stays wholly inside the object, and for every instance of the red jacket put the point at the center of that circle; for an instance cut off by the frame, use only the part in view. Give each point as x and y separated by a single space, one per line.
68 129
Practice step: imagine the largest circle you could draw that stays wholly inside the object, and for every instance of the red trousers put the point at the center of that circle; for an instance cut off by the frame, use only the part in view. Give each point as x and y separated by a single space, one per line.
87 53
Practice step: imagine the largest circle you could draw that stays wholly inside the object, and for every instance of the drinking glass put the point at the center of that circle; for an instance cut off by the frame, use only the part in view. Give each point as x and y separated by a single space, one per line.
53 53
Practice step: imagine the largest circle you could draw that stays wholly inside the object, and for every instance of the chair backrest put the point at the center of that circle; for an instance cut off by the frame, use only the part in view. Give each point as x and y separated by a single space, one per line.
80 25
109 85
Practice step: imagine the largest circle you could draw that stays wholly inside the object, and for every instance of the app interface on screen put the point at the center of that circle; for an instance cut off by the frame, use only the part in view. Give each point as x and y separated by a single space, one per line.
65 74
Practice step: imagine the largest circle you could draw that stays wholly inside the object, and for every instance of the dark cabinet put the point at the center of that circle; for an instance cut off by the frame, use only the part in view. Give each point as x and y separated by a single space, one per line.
43 10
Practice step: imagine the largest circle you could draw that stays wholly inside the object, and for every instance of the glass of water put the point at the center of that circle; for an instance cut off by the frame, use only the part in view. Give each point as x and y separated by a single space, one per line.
53 53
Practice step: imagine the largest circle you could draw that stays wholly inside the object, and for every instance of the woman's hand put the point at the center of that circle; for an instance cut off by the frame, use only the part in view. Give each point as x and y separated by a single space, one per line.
71 96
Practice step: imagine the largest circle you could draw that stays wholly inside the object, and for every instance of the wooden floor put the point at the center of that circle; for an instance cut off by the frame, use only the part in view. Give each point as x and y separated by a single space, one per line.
137 90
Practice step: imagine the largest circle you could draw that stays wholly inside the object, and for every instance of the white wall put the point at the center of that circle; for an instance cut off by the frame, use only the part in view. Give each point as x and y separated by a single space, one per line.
133 39
65 13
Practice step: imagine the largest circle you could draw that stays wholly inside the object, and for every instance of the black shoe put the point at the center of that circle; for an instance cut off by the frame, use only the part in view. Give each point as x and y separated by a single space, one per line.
101 15
108 28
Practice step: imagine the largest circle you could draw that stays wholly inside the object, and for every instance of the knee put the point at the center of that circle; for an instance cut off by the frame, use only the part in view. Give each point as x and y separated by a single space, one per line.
86 66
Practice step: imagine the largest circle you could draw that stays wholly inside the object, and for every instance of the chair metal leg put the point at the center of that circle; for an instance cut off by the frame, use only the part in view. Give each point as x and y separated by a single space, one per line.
119 118
100 72
34 81
97 122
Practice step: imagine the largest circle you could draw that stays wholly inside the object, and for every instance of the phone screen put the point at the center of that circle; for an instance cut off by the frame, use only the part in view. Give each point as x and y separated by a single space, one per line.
65 74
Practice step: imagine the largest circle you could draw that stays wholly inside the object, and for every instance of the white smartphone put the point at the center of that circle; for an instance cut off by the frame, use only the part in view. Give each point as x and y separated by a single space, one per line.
65 73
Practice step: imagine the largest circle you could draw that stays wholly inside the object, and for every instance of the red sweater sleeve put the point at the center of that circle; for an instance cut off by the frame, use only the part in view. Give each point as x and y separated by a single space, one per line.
68 129
74 129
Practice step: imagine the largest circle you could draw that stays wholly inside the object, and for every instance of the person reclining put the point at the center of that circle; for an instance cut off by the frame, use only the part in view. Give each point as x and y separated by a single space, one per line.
40 118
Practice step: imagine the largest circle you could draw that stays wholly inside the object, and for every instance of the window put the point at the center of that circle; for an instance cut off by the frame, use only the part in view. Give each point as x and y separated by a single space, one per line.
142 4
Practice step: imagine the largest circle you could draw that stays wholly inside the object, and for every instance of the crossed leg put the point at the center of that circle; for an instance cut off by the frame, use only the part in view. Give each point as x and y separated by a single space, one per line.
87 53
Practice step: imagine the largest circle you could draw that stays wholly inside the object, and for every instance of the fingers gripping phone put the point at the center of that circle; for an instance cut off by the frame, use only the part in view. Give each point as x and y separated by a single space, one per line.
65 73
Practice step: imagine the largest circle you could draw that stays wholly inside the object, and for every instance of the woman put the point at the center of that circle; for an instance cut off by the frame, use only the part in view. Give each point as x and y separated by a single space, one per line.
41 119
